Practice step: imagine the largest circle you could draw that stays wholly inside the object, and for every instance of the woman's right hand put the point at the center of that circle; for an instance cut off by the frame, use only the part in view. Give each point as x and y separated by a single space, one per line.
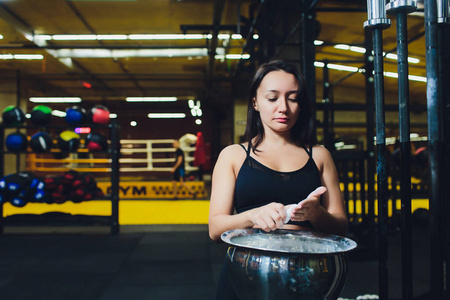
268 217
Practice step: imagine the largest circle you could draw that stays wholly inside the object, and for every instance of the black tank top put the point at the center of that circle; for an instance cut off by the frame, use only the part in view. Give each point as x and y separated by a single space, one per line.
258 185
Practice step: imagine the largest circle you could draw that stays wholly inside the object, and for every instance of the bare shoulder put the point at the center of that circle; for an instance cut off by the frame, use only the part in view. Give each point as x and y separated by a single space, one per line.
232 151
321 155
232 154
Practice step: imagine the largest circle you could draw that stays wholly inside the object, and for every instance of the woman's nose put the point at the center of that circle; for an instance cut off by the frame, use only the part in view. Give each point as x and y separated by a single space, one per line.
282 105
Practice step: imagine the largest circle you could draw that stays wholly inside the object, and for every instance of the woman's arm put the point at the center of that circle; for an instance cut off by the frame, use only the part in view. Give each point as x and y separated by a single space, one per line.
326 213
221 217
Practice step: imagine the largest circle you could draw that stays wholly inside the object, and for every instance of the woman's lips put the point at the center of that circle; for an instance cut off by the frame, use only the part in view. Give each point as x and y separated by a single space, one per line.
282 120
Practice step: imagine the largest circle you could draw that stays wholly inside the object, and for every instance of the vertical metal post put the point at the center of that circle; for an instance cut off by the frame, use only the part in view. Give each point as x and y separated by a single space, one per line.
326 109
370 120
115 171
18 96
444 77
377 21
401 8
2 170
308 49
434 153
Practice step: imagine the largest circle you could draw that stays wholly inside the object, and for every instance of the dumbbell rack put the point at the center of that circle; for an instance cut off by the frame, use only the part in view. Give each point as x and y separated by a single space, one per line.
113 151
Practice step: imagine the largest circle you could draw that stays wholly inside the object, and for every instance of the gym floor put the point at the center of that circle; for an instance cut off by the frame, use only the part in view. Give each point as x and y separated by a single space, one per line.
155 262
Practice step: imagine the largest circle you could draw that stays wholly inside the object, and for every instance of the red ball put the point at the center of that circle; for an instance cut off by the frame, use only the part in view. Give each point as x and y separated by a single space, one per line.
99 115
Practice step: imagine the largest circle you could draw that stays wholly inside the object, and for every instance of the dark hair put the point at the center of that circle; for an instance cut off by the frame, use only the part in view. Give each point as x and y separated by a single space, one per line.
303 130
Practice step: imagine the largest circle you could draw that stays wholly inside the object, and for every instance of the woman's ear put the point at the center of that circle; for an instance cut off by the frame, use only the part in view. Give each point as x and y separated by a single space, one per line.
255 106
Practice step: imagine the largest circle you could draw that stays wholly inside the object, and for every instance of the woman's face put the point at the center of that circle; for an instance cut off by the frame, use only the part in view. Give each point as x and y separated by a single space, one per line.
276 101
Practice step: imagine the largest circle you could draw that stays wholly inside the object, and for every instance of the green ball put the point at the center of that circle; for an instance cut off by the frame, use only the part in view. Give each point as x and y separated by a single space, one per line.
41 115
13 116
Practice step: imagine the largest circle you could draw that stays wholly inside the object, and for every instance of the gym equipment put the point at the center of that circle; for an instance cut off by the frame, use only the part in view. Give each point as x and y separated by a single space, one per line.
68 141
99 114
16 142
13 116
16 189
41 115
41 142
96 142
75 116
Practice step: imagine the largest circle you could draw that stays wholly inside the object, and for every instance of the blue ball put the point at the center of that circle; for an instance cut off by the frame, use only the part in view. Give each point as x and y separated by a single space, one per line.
75 116
16 142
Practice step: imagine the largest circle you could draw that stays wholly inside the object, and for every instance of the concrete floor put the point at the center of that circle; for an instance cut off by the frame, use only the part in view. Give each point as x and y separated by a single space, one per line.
152 262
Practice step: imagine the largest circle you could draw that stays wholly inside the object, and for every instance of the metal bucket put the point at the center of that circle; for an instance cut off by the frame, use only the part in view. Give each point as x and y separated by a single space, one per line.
286 264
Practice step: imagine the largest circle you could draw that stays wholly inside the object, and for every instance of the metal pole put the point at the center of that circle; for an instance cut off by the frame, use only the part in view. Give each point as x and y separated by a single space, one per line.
2 170
377 21
308 49
370 108
434 154
401 8
115 154
444 77
326 109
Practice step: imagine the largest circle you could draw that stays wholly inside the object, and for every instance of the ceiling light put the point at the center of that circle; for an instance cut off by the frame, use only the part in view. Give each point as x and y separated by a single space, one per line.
166 36
58 113
113 116
232 56
363 50
93 37
167 115
417 78
318 42
121 53
191 103
1 36
74 37
151 99
320 64
342 68
198 121
22 56
133 123
255 36
112 37
55 99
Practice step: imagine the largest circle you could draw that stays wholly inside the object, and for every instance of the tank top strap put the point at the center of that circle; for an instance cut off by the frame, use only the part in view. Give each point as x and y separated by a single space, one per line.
309 151
246 150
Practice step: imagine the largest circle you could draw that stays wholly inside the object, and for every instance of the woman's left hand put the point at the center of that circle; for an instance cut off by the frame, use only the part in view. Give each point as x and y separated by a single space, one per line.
310 208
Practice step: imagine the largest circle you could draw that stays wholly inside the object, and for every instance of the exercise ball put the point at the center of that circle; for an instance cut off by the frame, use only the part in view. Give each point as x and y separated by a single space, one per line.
96 142
13 116
99 114
16 142
41 115
41 142
68 141
75 115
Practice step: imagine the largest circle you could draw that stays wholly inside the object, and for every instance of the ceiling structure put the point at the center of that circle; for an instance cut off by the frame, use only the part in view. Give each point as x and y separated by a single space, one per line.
119 59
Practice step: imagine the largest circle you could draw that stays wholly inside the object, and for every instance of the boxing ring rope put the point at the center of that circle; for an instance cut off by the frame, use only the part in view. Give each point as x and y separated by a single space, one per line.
157 157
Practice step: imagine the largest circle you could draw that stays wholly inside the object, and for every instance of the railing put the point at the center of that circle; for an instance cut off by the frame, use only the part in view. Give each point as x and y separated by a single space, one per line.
136 156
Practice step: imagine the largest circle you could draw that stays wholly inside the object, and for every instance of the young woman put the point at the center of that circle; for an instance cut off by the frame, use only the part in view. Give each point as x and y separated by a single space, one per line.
279 165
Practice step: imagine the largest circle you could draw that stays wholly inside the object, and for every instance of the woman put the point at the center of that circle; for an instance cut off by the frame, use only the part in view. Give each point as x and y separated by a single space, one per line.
255 183
277 166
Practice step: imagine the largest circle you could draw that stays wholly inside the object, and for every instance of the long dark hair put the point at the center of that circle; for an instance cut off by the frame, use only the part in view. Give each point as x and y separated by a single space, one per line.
303 130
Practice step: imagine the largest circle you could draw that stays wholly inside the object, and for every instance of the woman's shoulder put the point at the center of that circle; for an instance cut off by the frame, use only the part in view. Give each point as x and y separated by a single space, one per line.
320 153
231 156
234 149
